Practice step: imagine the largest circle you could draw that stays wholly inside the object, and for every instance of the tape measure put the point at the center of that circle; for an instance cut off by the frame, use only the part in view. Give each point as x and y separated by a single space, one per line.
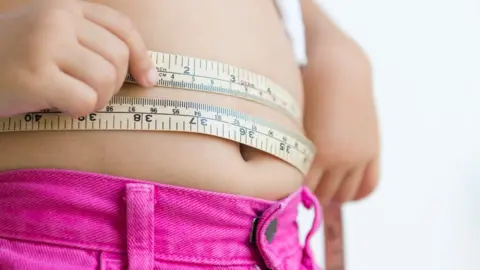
157 114
334 238
154 114
177 71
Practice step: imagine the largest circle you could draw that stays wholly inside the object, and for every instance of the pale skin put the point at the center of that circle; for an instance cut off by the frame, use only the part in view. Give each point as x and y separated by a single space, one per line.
73 55
340 115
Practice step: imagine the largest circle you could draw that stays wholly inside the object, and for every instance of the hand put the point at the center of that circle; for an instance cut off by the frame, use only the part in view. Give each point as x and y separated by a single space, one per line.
340 116
67 54
341 121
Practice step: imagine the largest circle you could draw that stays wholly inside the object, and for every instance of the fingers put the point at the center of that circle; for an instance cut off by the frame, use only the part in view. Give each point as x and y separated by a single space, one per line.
329 184
350 185
141 66
340 185
71 95
369 181
93 70
107 45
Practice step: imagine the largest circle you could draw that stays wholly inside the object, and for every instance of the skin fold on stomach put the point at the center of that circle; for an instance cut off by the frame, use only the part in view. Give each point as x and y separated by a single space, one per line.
244 33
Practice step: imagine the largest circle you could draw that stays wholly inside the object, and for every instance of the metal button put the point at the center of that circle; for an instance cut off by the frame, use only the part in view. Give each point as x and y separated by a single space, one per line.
271 230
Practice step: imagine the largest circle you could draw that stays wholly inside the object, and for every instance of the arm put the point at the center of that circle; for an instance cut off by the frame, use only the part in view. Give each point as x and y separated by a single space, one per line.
340 119
340 115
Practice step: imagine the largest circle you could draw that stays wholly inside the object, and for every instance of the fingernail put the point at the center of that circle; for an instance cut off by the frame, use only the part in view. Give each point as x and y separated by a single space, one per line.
152 76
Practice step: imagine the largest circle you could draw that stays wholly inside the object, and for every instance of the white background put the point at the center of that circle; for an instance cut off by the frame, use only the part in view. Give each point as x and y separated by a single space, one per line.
425 214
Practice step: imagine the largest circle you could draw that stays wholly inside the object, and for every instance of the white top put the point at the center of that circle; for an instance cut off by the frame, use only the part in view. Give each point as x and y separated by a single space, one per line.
291 13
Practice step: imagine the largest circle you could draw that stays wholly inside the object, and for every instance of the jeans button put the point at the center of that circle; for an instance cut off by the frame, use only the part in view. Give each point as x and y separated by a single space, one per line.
271 230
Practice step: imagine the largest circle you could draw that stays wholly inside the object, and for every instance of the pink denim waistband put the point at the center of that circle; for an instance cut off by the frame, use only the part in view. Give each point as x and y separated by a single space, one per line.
147 225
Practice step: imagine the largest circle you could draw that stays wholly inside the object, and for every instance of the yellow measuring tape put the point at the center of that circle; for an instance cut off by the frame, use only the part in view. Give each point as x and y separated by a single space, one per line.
191 73
157 114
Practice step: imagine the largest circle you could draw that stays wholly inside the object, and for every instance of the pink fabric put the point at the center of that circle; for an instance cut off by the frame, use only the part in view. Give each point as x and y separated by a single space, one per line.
57 219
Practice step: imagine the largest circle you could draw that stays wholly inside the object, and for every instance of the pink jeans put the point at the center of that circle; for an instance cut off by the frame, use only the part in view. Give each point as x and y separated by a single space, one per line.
57 219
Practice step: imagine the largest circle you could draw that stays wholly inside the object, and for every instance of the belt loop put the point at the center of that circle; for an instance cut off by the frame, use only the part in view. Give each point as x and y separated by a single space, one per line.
309 200
140 226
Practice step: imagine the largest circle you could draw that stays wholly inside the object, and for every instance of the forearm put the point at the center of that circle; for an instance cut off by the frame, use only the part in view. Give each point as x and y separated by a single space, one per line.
319 28
312 16
338 92
336 63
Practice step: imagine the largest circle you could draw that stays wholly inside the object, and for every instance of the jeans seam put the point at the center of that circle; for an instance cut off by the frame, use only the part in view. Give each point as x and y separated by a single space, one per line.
176 258
225 197
36 239
195 259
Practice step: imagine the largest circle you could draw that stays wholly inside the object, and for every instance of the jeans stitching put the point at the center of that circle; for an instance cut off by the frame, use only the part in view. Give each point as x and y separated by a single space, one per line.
176 258
61 241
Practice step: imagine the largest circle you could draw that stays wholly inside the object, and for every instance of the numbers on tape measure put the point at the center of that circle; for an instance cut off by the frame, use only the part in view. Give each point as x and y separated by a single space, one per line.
32 117
197 74
175 71
151 114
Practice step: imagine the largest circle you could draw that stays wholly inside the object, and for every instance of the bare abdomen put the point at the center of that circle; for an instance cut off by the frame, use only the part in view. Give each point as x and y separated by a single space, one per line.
245 33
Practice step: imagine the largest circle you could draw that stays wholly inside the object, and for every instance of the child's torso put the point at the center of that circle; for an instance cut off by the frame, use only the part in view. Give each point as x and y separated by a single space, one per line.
244 33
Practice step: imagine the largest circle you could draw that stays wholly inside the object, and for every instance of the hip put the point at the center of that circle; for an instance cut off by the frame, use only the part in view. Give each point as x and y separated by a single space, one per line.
61 219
